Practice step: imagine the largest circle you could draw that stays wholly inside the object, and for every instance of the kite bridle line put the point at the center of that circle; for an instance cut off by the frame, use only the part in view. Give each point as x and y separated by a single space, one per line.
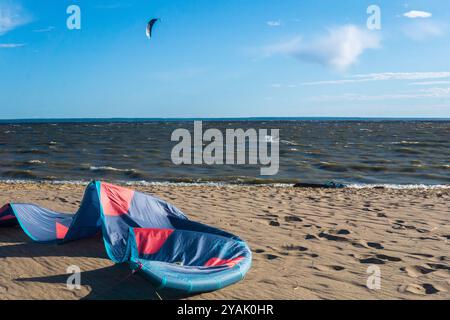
133 272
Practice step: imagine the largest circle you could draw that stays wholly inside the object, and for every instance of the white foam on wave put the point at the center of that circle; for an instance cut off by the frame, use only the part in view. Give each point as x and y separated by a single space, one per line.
225 184
24 181
398 186
36 162
405 142
203 183
107 168
289 143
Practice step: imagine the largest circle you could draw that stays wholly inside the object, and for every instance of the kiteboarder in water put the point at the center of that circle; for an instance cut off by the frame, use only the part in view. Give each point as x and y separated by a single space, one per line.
150 25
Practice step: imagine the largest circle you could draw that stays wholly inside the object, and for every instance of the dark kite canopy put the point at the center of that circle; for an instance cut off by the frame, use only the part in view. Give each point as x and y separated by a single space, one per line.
150 25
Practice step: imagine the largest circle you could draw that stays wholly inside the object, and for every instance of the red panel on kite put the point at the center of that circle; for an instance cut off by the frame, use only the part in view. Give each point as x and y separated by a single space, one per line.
61 230
8 217
115 200
214 262
149 241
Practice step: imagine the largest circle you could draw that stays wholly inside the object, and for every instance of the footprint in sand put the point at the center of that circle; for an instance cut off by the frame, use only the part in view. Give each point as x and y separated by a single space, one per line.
419 289
379 259
259 251
292 219
343 232
270 215
332 237
267 216
291 247
311 237
388 258
398 227
62 199
424 255
375 245
274 223
437 266
416 271
371 260
269 256
328 268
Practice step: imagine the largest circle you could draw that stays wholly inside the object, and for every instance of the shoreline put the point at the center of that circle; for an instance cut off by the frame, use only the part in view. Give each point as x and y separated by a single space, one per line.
306 244
223 184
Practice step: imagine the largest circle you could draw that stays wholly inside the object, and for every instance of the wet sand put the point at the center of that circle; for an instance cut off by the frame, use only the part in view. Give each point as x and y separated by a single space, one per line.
307 244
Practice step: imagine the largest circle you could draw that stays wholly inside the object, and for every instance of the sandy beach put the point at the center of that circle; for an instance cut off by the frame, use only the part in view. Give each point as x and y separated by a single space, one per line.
307 244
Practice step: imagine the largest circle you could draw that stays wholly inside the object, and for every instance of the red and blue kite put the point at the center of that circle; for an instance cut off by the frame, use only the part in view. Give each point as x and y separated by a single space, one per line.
150 234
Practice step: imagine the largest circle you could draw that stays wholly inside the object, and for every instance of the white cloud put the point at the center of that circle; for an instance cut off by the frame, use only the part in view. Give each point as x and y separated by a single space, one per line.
413 14
11 17
404 75
430 83
437 92
11 45
339 48
424 30
431 93
274 23
386 76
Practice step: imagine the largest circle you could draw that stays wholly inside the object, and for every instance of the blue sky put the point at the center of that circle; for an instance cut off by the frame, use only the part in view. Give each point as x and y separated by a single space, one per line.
226 58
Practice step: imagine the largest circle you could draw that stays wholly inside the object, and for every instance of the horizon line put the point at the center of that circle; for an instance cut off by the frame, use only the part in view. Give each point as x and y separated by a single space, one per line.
133 119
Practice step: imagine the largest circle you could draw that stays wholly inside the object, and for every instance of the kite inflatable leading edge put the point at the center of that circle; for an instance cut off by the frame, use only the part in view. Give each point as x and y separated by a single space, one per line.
150 234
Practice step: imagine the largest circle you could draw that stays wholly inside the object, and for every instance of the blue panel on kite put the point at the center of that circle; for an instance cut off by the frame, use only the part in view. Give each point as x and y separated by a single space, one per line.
188 261
150 234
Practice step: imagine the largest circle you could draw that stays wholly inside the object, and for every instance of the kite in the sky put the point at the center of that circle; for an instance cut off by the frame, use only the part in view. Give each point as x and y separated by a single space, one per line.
150 25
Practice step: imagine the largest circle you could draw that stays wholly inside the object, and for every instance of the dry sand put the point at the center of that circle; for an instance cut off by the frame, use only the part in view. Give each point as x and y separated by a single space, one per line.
307 244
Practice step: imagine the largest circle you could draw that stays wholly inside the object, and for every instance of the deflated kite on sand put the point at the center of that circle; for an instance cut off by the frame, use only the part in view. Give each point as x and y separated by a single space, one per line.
150 234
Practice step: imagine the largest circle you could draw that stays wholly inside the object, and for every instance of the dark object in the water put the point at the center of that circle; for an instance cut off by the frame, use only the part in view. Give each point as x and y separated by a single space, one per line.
328 185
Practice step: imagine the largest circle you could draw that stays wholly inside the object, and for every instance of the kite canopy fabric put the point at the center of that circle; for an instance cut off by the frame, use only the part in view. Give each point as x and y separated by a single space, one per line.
150 234
149 29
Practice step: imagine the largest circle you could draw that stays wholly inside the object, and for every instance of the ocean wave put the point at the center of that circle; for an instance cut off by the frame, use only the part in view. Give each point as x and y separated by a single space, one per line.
32 181
132 174
20 174
369 168
145 183
408 151
35 162
107 168
405 142
289 143
331 166
31 151
398 186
